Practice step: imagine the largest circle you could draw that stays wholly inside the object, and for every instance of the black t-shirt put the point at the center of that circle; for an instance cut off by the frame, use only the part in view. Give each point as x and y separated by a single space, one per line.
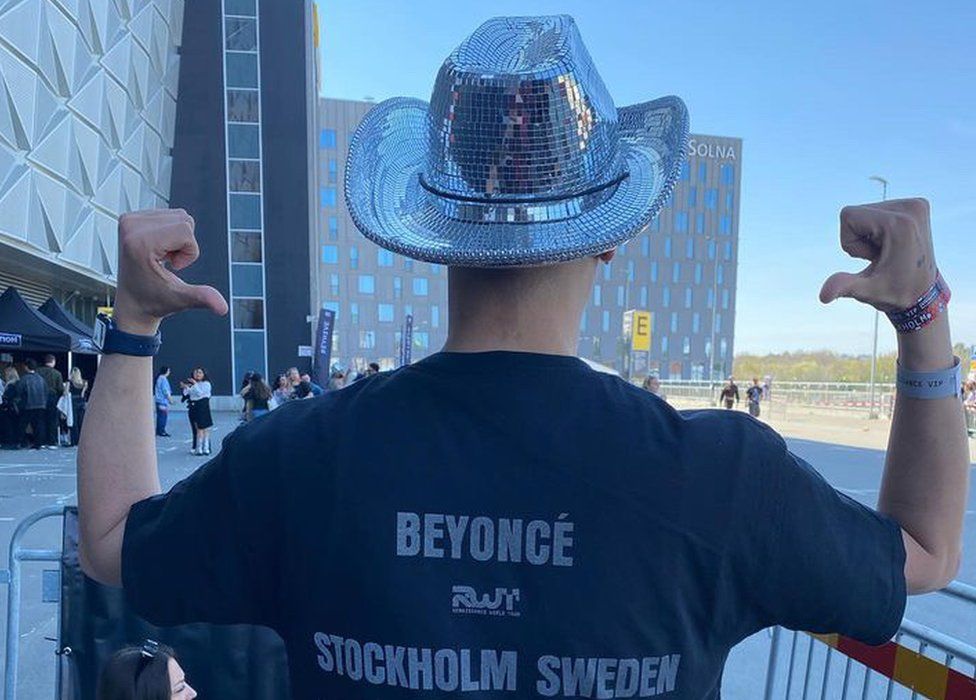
514 524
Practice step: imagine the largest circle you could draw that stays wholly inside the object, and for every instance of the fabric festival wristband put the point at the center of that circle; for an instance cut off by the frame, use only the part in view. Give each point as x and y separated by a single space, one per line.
928 307
939 384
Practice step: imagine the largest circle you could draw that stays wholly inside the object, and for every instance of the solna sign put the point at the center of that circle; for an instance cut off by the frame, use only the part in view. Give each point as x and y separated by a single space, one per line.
710 150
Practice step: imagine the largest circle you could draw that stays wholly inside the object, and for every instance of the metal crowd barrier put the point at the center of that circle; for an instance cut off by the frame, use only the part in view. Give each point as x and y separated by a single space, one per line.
919 662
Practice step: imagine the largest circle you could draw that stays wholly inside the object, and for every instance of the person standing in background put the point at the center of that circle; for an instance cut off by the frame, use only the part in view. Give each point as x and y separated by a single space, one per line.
730 393
33 392
10 433
55 387
283 390
257 397
78 390
754 395
162 396
198 391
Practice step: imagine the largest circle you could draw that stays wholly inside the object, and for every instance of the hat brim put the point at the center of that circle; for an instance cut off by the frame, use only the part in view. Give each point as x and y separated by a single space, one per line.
387 156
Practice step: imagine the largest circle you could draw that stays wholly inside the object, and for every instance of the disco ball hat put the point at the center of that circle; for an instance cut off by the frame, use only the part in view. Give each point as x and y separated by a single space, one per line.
520 158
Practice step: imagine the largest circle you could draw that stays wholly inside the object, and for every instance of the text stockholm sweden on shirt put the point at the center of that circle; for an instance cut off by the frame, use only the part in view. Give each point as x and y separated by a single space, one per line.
537 542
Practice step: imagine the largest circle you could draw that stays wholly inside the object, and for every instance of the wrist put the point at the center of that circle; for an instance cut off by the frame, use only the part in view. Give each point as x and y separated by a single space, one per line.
927 349
128 321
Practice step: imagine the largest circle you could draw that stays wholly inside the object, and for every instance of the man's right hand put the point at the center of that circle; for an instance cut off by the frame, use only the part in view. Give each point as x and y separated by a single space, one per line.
152 244
895 237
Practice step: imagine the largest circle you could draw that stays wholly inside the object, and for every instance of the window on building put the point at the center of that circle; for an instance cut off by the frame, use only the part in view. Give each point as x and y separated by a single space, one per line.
606 321
711 250
367 340
244 175
596 295
646 246
353 258
243 106
407 310
698 273
241 34
667 247
666 297
435 316
681 221
435 269
688 297
664 345
334 284
608 271
718 323
333 170
725 225
695 322
245 211
384 258
708 349
246 280
421 339
327 196
408 264
582 327
656 224
723 348
728 250
420 286
700 223
327 138
702 172
242 70
725 298
720 274
367 284
643 296
397 287
690 248
245 246
711 197
248 314
239 7
354 313
710 298
620 296
729 199
685 170
333 228
727 174
630 270
654 271
243 141
670 199
676 273
692 196
674 321
686 345
384 313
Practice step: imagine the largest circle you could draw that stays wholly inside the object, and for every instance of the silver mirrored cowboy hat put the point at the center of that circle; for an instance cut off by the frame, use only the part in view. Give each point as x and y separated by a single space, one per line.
521 157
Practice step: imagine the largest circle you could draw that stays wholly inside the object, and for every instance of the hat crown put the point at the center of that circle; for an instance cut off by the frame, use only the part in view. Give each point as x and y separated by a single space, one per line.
519 112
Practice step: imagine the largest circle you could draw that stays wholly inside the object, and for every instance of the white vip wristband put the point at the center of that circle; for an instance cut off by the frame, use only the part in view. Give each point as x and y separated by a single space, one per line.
939 384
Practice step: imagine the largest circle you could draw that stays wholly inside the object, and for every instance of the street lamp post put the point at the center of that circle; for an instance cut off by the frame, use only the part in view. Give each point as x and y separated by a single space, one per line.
872 413
711 344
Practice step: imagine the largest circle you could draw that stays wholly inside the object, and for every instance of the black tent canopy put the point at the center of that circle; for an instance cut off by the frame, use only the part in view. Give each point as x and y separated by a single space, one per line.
25 329
64 318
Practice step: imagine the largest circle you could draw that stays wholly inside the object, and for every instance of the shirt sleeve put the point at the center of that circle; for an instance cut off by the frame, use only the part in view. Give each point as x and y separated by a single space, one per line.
815 559
207 551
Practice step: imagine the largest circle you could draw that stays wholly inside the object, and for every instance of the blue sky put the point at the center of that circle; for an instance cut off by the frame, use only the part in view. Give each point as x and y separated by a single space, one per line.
823 94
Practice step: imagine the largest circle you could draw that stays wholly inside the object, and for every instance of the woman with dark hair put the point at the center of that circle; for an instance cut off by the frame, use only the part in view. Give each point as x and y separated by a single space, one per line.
198 390
257 397
148 673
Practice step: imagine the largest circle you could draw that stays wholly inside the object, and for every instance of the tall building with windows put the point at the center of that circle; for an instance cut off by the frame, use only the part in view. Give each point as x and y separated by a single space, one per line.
371 289
682 269
241 164
88 94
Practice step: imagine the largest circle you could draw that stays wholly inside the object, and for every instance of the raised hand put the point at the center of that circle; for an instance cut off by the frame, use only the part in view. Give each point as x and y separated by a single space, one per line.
153 244
895 237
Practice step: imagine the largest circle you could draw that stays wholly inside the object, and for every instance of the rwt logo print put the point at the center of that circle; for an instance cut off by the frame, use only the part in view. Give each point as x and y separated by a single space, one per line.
466 601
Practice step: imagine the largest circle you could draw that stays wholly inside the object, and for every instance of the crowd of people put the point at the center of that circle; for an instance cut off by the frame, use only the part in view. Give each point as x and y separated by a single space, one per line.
38 408
969 402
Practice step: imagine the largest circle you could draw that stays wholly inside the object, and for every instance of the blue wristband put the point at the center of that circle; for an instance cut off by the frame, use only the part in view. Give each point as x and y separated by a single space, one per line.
939 384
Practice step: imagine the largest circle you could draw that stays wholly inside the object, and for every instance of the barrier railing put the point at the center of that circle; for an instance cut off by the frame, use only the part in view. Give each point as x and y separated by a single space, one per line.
12 577
919 663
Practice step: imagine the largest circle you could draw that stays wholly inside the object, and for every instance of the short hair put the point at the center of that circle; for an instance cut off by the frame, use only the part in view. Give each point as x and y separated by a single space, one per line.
31 364
374 366
49 358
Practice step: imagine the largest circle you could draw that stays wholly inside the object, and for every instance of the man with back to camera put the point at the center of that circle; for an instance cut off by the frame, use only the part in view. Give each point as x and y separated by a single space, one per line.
523 527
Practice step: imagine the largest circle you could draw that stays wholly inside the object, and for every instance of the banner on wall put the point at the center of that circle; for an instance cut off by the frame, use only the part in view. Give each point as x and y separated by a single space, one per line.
323 348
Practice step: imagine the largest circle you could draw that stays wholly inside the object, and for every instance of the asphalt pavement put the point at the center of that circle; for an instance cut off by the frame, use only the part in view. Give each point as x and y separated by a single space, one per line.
30 480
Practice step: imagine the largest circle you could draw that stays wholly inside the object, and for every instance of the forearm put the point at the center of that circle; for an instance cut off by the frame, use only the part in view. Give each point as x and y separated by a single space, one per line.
927 467
116 461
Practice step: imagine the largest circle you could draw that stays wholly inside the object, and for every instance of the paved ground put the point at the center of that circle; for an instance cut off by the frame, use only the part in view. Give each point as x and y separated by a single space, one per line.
31 480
